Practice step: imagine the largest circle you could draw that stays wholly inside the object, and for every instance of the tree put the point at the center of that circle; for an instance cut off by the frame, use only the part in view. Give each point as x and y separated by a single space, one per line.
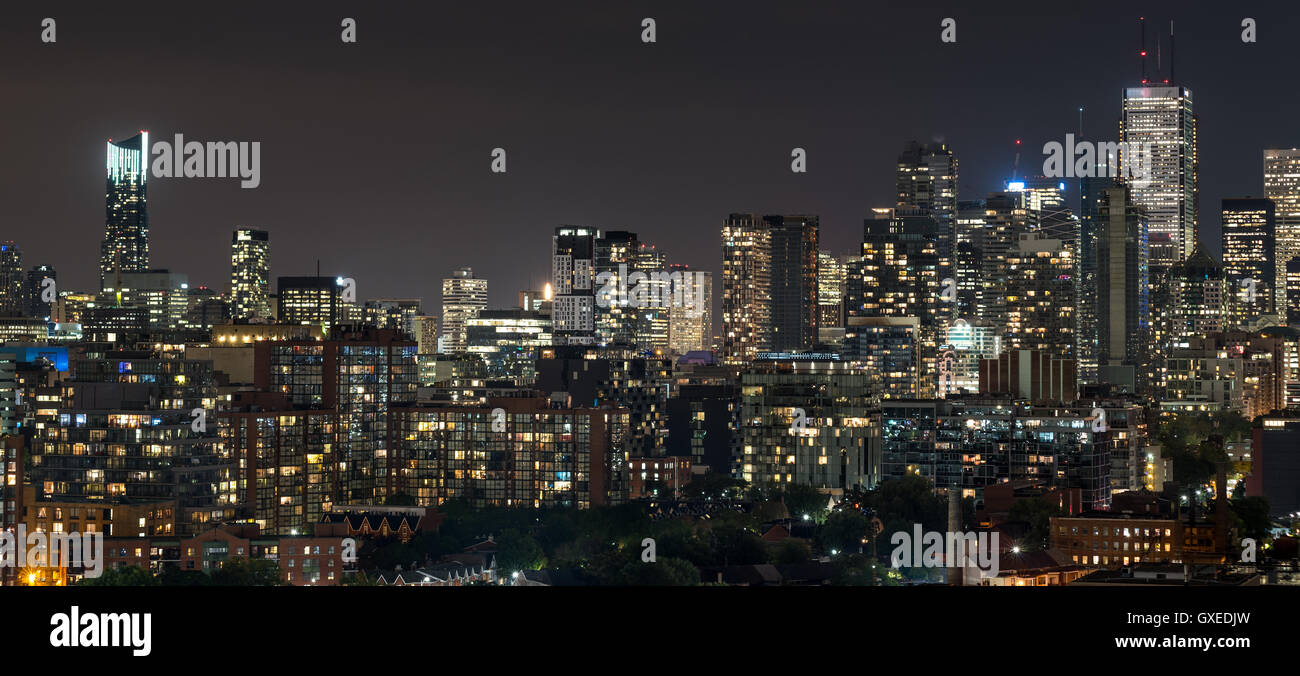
1253 516
518 551
1038 513
666 571
792 550
843 531
803 499
123 576
244 572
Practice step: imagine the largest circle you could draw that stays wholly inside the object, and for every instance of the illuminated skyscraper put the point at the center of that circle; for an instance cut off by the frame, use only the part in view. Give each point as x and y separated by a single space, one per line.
690 316
126 221
1158 119
12 297
1007 216
1282 185
746 288
794 281
250 281
573 281
463 297
616 317
651 332
1202 297
1040 296
898 277
832 274
927 180
1249 260
313 300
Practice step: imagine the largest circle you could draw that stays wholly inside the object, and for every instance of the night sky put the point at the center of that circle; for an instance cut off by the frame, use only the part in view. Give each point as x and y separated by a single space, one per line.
375 155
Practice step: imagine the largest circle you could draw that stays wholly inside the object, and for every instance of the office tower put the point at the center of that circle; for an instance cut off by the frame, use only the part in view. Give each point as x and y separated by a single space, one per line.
542 453
1007 216
1249 261
426 334
972 218
126 226
962 347
1122 301
898 274
509 342
1046 198
1040 296
463 297
207 308
12 297
1293 291
927 180
401 314
746 288
898 277
536 300
164 295
793 294
1042 194
617 317
359 374
311 300
1157 120
891 350
1282 185
832 274
651 299
37 291
1202 297
573 280
805 423
1087 348
250 275
690 315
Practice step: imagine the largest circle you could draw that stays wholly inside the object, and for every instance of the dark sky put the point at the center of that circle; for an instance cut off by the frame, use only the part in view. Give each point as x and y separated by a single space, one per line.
375 156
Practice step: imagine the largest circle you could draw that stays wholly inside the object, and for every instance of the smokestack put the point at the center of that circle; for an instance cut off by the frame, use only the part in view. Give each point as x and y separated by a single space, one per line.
955 573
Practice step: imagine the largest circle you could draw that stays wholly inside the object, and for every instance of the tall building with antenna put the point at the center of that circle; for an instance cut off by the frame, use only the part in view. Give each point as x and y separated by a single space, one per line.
1157 116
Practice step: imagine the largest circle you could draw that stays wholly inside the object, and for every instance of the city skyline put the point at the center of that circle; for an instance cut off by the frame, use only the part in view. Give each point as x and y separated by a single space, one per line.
650 165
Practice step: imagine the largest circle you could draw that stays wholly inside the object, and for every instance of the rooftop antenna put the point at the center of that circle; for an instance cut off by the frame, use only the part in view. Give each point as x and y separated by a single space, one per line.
1171 53
1142 46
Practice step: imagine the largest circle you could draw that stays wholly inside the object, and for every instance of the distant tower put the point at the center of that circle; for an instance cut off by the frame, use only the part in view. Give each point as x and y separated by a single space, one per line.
463 296
573 279
1249 258
12 298
250 283
746 288
126 219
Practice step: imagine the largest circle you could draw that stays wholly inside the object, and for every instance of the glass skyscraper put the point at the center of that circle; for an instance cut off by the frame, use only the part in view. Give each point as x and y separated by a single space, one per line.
126 218
250 282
